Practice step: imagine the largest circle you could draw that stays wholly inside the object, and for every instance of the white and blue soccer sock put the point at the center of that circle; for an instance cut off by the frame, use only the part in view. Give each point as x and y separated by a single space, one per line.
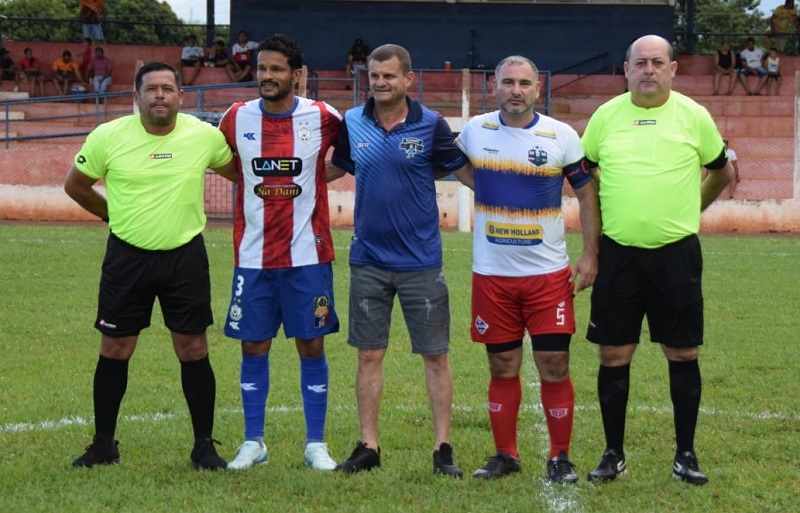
314 388
254 382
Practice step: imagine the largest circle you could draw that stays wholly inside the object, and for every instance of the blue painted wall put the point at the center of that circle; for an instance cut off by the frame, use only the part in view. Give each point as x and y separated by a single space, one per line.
553 36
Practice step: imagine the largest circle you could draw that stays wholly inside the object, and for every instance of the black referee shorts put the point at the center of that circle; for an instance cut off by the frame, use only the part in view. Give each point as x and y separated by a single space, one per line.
132 279
663 284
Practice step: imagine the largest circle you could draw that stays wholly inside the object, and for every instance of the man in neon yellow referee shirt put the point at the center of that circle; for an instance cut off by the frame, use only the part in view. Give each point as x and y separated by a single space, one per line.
648 148
153 165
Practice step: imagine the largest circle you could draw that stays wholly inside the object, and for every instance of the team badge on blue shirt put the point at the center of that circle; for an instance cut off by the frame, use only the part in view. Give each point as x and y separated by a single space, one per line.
537 156
412 146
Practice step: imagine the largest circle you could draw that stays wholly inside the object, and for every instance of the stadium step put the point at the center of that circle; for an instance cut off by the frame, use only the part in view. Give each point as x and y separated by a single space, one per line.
11 115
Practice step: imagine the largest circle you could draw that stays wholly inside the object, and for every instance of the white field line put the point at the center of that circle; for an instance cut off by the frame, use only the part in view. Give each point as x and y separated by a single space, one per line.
559 499
50 425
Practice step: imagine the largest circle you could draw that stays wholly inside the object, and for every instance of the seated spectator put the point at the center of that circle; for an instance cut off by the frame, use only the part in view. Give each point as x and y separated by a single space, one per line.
91 14
29 71
99 71
356 56
240 67
783 22
735 179
85 56
8 70
725 63
772 64
218 55
65 72
752 64
192 56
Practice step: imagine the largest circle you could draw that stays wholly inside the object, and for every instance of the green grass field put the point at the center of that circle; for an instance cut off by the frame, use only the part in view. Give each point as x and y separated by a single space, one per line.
748 438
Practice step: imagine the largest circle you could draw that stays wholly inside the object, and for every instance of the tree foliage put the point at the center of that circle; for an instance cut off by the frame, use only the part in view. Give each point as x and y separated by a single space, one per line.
716 21
60 29
154 22
126 22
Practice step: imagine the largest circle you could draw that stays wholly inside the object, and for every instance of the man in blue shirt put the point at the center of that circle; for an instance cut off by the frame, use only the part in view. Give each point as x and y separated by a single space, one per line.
395 148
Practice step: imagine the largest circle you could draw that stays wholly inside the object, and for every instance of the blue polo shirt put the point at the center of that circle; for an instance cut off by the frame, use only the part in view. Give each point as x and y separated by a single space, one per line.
396 214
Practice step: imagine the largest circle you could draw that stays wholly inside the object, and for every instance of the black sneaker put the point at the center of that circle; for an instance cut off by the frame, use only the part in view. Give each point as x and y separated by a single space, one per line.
443 462
100 452
612 465
363 458
686 468
560 470
499 465
204 456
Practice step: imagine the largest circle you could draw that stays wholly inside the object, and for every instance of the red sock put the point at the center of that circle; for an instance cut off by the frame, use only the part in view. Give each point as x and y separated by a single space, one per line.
558 402
505 394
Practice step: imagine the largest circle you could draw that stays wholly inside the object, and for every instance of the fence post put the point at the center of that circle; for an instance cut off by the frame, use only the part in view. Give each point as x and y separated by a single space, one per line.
464 193
464 208
303 85
466 84
795 163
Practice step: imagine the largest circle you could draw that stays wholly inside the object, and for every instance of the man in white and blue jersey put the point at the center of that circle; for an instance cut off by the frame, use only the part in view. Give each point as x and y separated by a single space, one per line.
395 148
522 279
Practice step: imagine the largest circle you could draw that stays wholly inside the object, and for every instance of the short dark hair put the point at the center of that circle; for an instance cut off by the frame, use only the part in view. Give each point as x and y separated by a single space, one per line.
66 53
288 47
386 52
154 66
750 40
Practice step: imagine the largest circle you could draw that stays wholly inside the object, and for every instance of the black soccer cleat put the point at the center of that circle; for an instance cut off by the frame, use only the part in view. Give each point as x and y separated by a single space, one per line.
100 452
686 468
443 462
204 455
499 465
362 458
612 465
560 470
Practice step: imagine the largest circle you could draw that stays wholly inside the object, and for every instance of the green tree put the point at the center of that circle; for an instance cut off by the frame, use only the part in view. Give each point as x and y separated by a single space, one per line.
60 28
126 22
144 22
716 21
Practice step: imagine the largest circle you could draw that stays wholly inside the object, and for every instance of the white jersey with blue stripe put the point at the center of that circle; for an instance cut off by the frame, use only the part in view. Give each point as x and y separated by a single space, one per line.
519 177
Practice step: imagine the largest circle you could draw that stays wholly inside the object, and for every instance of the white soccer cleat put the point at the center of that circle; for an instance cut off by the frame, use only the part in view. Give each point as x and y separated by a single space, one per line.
318 457
250 453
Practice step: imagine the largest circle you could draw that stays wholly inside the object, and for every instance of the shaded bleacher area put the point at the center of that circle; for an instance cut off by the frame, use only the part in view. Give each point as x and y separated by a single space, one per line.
759 128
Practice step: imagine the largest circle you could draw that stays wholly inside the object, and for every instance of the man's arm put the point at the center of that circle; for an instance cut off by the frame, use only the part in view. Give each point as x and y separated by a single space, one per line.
589 206
332 172
466 175
80 188
230 170
714 182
